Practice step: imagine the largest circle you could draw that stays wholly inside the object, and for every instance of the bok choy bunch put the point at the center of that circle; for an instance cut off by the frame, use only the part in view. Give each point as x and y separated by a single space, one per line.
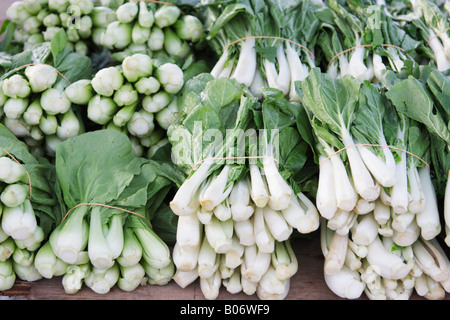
230 206
28 211
375 192
101 244
34 103
158 30
137 97
260 43
38 22
431 96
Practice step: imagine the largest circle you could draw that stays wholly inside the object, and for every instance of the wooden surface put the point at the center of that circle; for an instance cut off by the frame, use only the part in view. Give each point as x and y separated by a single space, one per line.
307 284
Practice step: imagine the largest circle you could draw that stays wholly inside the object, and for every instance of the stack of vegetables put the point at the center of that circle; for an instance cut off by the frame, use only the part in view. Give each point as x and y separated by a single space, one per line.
110 199
328 116
240 203
375 191
28 209
34 104
38 21
137 97
153 28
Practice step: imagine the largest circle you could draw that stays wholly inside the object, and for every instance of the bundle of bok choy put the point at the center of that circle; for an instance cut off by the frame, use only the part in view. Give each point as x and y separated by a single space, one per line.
239 204
34 104
28 211
152 28
37 22
111 198
137 97
375 191
261 44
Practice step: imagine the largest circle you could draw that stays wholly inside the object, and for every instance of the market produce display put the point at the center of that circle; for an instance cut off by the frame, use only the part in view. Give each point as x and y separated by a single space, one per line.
148 142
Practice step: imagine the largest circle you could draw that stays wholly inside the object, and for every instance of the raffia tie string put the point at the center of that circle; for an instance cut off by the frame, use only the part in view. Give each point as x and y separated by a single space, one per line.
372 145
44 64
229 158
436 35
28 175
269 37
102 205
362 46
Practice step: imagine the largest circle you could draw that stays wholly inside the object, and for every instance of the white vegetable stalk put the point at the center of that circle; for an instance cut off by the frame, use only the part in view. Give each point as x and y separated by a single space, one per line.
364 183
431 260
170 76
233 282
189 232
41 77
185 259
245 232
185 278
280 79
356 66
16 86
167 115
155 251
345 283
7 275
70 238
210 286
101 109
428 219
383 170
233 257
326 201
442 60
33 113
334 250
12 172
137 66
73 279
386 263
141 123
19 222
263 237
270 287
15 107
276 224
258 190
378 67
280 191
132 250
48 264
408 236
245 69
255 263
107 81
219 234
399 192
184 201
284 260
417 200
208 260
159 276
102 280
298 71
130 277
69 126
7 247
14 194
239 200
26 273
217 190
365 230
342 221
54 101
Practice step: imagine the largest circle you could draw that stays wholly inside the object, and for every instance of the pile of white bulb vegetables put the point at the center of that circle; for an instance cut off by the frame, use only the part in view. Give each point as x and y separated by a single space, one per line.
239 235
36 109
138 97
378 246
